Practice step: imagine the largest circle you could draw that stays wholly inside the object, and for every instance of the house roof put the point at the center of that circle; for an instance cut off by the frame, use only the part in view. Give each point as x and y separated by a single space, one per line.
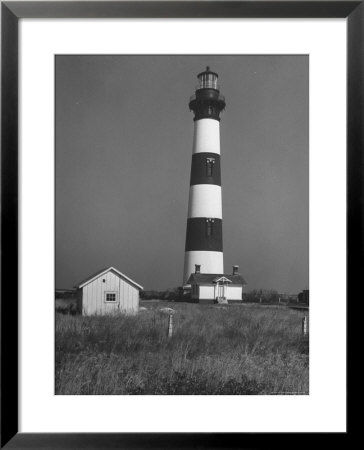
211 278
101 272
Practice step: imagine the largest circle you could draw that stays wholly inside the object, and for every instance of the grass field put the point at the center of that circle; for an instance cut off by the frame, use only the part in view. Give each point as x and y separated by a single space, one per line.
243 349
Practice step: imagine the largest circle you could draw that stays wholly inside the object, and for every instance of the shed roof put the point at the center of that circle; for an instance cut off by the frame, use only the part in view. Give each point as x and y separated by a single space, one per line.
211 278
101 272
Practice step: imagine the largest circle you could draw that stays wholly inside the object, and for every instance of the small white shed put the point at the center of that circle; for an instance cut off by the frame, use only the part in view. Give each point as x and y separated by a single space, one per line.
108 292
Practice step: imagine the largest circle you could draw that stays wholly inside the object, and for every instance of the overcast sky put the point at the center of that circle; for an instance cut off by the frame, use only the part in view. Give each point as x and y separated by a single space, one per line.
123 155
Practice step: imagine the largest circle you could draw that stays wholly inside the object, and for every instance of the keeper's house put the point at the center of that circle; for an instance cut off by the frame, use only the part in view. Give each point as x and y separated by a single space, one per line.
108 292
218 288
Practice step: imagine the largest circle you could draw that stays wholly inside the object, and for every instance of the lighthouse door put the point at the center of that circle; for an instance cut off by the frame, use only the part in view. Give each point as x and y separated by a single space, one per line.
221 291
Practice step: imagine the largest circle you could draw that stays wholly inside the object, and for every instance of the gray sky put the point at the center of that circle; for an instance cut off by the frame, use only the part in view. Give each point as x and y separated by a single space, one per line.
123 155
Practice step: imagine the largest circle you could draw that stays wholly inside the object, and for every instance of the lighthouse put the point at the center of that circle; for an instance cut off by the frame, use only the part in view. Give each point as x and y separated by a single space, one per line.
203 247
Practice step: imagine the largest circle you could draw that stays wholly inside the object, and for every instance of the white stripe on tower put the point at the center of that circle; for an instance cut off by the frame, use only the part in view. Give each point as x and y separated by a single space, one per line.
205 201
204 221
206 136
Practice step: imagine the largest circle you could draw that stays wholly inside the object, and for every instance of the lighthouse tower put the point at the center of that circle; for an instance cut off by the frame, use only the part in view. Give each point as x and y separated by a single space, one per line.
204 222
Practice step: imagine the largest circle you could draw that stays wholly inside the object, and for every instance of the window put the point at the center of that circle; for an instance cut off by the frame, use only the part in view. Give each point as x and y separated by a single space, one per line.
110 297
209 166
209 227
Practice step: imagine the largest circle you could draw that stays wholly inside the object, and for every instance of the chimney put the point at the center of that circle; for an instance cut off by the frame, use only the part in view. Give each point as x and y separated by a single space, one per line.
235 270
197 268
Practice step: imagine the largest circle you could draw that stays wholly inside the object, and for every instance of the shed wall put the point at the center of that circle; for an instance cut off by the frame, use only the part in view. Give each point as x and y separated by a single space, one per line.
93 296
210 292
207 292
234 292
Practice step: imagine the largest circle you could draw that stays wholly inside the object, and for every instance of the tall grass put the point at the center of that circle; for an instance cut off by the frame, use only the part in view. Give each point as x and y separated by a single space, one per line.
214 350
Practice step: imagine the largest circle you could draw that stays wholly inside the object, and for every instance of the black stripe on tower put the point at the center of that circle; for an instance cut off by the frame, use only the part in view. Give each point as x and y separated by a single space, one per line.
205 169
204 234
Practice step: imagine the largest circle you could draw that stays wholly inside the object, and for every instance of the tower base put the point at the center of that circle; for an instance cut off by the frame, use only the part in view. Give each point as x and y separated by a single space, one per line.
210 262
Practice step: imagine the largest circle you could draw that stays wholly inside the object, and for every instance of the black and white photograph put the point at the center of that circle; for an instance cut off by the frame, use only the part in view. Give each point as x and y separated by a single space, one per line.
181 224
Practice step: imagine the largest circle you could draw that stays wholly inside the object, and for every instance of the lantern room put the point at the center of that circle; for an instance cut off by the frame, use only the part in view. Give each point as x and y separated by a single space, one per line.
207 102
207 80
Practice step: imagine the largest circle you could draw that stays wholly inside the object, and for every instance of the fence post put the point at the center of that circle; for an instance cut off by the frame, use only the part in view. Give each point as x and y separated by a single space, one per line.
170 326
304 326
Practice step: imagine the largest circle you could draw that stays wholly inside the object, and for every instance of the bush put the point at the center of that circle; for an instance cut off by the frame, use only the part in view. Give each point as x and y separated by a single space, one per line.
265 296
173 294
66 306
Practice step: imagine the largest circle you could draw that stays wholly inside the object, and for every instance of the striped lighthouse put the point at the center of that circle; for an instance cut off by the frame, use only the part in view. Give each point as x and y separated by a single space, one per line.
204 222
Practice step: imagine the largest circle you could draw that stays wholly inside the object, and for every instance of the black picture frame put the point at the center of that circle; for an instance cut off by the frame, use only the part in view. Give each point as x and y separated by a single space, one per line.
11 12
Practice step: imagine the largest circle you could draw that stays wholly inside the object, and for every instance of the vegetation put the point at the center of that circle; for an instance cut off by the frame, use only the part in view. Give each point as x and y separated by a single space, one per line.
272 297
262 296
245 349
66 306
173 294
